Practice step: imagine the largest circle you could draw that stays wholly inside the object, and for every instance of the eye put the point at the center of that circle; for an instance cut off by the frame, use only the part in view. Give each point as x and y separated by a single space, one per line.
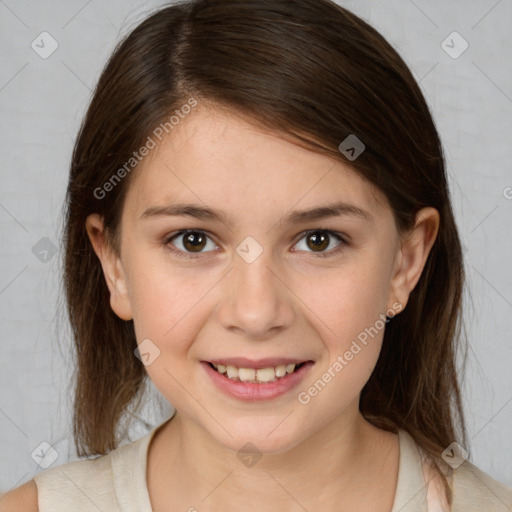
190 242
320 239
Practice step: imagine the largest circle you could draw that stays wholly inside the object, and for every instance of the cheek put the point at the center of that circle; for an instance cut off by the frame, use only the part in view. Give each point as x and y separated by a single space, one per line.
348 301
349 315
169 312
348 311
166 301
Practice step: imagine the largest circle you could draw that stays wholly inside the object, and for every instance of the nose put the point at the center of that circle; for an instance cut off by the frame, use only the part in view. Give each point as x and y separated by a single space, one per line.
256 301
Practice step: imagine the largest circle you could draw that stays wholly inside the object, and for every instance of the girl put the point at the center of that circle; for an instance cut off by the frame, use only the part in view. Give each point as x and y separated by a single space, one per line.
258 220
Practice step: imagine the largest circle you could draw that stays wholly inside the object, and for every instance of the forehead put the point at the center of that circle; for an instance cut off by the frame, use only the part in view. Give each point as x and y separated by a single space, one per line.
221 160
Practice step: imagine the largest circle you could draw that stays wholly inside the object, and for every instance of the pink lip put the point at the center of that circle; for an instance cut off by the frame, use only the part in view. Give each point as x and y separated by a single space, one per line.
242 362
257 391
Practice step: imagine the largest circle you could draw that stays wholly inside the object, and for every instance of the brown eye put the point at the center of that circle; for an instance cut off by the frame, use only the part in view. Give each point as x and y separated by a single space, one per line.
186 243
194 241
317 240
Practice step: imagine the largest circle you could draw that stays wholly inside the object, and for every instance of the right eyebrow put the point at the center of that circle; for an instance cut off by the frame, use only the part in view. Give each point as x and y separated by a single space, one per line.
190 210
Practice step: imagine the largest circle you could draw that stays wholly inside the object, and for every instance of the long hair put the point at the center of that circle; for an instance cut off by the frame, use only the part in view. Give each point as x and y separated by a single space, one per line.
309 69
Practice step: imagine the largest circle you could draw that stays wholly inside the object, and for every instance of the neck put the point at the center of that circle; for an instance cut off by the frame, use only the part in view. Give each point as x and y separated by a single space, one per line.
332 466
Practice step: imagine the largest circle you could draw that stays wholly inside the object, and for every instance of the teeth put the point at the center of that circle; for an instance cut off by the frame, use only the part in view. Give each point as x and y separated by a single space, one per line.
232 371
281 370
265 374
251 375
246 374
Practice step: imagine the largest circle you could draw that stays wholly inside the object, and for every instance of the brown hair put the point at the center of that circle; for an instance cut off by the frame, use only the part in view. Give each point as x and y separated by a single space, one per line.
315 71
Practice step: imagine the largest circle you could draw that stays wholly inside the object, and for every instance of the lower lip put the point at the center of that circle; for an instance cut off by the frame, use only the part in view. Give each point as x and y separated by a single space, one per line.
260 390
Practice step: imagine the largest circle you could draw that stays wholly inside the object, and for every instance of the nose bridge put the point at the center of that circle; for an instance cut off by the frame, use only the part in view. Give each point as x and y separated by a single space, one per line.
255 301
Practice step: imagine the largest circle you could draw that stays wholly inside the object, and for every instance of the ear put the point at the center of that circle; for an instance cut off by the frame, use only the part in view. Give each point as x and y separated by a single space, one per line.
112 267
412 255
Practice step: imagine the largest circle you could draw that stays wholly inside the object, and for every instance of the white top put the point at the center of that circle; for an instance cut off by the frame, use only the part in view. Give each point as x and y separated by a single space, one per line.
116 482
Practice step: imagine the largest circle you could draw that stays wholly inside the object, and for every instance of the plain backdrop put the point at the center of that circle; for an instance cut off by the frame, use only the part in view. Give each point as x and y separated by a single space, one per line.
42 101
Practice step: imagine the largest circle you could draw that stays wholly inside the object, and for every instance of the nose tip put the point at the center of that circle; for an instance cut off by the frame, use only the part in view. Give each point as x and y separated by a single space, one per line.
254 301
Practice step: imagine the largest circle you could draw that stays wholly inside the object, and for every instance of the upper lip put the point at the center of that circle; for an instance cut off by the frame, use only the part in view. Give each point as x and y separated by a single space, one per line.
243 362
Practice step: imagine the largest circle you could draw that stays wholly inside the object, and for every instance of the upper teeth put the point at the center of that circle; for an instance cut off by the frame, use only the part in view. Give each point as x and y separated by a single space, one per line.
252 375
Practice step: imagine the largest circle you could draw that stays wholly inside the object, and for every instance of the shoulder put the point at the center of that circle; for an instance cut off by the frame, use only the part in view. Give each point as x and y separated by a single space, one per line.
80 485
22 498
105 482
77 485
473 489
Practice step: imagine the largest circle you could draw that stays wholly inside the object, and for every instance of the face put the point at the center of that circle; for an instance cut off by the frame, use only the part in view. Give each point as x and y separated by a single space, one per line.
256 279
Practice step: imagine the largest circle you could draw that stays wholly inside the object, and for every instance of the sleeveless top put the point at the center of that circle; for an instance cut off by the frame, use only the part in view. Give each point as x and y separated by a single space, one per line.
116 482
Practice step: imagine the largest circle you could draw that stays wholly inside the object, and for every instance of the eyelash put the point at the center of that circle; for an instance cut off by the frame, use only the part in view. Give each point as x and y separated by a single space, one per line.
324 254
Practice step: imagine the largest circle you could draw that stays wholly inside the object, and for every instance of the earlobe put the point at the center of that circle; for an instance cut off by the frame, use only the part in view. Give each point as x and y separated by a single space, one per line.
111 264
413 253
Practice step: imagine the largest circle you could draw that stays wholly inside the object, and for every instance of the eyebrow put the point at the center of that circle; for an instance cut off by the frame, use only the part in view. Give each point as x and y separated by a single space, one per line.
337 209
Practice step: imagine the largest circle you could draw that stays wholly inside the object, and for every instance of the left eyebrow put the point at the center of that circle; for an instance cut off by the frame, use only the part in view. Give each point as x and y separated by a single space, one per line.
331 210
296 217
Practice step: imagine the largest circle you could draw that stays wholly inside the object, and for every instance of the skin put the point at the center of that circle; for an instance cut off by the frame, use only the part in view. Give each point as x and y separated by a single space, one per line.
288 302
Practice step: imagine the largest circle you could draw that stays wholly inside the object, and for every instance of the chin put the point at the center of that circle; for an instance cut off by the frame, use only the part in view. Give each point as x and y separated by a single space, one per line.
262 437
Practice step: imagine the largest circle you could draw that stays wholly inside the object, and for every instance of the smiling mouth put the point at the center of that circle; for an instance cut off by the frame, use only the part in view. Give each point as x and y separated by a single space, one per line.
257 375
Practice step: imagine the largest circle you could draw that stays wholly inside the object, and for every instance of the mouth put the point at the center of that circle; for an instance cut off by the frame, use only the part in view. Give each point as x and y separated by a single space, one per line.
254 375
261 380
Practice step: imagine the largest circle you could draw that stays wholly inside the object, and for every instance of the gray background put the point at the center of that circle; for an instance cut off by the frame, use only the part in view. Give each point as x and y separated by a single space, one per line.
42 102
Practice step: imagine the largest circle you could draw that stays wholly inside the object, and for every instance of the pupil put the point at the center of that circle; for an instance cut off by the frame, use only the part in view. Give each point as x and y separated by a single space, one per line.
194 241
319 240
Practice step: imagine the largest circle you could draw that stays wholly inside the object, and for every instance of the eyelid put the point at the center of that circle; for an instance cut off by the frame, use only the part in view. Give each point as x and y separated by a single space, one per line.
341 237
190 255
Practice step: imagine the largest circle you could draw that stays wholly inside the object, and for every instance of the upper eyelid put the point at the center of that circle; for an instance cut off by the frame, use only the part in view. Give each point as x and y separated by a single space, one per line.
182 232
